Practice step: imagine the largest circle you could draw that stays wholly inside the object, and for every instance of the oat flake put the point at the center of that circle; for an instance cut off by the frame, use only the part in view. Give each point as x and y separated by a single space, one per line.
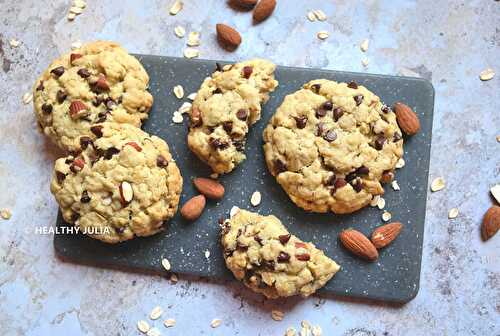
386 216
27 97
290 332
487 74
154 332
495 191
169 323
179 91
277 315
193 39
364 45
155 313
179 31
192 96
316 331
311 17
234 211
374 200
177 118
76 10
5 214
381 203
320 15
166 264
256 198
176 7
14 43
400 164
395 185
143 326
191 53
453 213
323 35
207 254
215 323
79 3
438 184
185 107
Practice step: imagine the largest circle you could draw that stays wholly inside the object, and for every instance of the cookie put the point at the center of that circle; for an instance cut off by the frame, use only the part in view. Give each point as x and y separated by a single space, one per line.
330 145
98 82
226 105
123 184
269 260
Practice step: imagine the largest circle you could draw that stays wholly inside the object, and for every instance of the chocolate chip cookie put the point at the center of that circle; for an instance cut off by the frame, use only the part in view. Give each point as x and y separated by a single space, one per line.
123 184
98 82
269 260
226 105
330 145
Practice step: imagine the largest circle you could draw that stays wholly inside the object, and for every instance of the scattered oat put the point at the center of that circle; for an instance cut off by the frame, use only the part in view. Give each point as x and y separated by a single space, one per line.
177 118
277 315
386 216
143 326
256 198
374 200
179 91
154 332
174 278
316 331
185 107
438 184
179 31
306 328
234 211
191 53
214 176
453 213
107 200
381 203
176 7
76 45
193 39
487 74
207 254
76 10
495 191
365 62
79 3
156 312
215 323
498 138
311 16
290 332
323 35
71 16
401 163
192 96
5 214
169 323
166 264
364 45
319 14
14 43
395 185
27 97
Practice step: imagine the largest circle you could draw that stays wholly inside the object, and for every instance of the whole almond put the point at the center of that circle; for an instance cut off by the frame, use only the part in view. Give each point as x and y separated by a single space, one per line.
210 188
385 234
228 37
245 3
263 10
491 223
359 244
193 208
407 119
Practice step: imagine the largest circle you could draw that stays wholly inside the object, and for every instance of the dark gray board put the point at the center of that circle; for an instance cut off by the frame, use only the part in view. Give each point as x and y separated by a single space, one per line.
394 277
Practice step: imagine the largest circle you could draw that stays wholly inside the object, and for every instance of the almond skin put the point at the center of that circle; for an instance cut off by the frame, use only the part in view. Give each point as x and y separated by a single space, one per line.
228 37
210 188
407 119
193 208
385 234
263 10
359 244
491 223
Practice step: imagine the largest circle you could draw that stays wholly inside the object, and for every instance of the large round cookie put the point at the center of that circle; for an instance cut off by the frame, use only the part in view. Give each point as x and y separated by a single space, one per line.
123 184
330 144
98 82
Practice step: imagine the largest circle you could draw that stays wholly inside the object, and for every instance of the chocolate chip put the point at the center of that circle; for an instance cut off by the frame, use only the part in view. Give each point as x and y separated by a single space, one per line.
386 109
331 180
84 73
218 143
358 99
339 183
217 91
110 152
247 71
161 161
241 247
227 126
61 96
239 145
351 176
300 121
362 170
97 130
85 197
397 136
284 238
379 142
352 85
75 216
68 161
97 101
47 108
320 113
283 257
330 136
357 185
101 117
57 72
320 128
303 257
85 141
40 86
258 239
267 264
327 105
315 88
337 113
242 114
60 176
279 167
120 230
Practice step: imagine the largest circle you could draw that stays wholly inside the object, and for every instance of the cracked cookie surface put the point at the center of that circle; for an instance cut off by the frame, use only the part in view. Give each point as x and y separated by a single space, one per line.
123 184
98 82
268 259
226 105
330 145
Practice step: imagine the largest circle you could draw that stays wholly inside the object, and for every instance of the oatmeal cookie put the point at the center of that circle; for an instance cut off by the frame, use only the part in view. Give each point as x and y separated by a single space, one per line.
330 145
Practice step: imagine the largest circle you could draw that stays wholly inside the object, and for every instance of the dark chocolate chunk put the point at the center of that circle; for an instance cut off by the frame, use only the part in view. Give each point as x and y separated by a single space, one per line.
57 72
284 238
97 130
283 257
339 183
60 176
85 141
300 122
247 71
379 142
337 113
161 161
279 167
352 85
242 114
47 108
327 105
84 73
218 143
227 126
315 88
358 99
362 170
61 96
110 152
320 112
85 197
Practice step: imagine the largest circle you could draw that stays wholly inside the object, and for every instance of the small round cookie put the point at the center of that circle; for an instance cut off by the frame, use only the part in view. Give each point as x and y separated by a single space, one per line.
123 184
226 105
330 145
269 260
98 82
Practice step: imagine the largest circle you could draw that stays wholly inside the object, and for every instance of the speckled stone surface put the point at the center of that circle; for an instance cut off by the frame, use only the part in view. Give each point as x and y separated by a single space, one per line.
447 42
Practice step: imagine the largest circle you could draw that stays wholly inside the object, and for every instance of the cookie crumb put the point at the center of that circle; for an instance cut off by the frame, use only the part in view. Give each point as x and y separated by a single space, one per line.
179 31
169 323
166 264
323 35
386 216
215 323
191 52
177 118
438 184
495 191
487 74
277 315
155 313
176 7
179 91
395 185
143 326
256 198
14 43
364 45
193 39
453 213
27 97
5 214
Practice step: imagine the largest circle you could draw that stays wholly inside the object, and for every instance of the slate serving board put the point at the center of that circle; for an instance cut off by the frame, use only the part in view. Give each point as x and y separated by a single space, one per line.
394 277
